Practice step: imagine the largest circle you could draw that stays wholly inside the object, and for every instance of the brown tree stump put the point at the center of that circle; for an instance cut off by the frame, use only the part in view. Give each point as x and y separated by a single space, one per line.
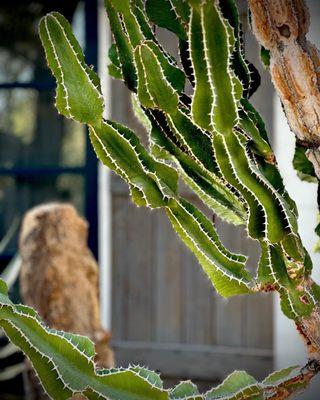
59 278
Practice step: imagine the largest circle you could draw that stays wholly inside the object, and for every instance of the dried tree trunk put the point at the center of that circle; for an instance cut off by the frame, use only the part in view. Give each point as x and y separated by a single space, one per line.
281 27
59 277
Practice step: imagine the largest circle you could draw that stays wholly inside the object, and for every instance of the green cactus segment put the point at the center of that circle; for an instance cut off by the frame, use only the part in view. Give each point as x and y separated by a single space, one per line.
239 385
203 97
265 57
195 140
257 132
289 379
279 219
244 70
120 150
254 128
256 217
140 113
293 248
124 48
266 275
219 146
217 89
259 145
264 156
185 391
227 274
129 20
292 304
130 29
219 43
221 203
63 368
166 176
188 137
172 73
304 167
291 242
271 216
272 174
152 377
255 118
114 68
64 364
43 366
209 187
210 230
272 270
122 6
78 87
169 14
138 9
154 90
273 275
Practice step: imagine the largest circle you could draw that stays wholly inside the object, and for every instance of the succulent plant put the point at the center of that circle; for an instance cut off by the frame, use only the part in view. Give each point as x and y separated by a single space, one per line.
216 142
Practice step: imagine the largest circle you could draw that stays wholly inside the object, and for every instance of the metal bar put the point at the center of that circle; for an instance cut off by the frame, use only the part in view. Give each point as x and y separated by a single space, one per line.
29 85
91 175
37 170
7 256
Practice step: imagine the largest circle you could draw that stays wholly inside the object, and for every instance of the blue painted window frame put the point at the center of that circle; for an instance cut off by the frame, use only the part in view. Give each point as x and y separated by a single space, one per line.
90 169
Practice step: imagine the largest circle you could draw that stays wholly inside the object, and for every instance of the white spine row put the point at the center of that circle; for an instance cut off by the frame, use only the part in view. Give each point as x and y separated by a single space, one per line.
94 378
62 82
214 265
78 58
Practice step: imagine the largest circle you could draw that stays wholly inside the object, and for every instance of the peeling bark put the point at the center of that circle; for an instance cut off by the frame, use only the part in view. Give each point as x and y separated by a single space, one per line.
59 278
281 27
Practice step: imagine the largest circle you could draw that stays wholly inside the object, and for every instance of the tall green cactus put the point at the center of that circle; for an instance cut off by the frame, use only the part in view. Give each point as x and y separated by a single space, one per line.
216 142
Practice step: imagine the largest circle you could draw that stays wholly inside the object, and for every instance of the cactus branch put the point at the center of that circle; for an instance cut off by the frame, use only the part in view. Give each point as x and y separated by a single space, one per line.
217 143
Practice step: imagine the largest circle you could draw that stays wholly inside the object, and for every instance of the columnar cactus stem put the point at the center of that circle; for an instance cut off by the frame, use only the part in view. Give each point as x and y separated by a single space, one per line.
309 329
281 27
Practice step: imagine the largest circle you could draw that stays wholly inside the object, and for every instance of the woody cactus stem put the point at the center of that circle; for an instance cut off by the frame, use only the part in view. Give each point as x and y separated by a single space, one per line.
281 27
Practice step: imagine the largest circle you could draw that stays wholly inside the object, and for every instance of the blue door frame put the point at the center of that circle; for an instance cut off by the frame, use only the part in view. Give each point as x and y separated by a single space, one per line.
90 170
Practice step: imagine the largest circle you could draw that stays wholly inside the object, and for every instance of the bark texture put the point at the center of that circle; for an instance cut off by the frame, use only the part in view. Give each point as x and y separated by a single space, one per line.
59 276
281 27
